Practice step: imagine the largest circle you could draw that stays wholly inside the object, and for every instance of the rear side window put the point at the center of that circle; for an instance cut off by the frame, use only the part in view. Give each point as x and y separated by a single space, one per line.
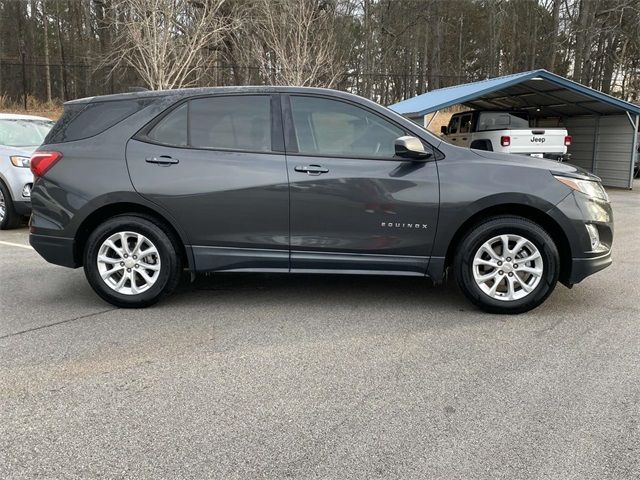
236 123
229 123
465 124
86 120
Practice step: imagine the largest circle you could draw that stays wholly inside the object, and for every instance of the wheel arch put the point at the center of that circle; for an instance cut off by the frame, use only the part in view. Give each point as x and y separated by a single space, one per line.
529 212
482 144
105 212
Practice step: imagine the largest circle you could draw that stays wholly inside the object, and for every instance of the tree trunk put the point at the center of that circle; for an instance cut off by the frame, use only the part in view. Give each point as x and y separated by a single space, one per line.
555 42
47 69
65 89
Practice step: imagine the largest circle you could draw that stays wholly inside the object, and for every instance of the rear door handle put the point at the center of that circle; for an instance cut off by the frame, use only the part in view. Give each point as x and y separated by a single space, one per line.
162 160
311 169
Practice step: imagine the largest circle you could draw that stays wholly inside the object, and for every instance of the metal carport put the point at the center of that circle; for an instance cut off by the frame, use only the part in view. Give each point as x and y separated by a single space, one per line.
604 128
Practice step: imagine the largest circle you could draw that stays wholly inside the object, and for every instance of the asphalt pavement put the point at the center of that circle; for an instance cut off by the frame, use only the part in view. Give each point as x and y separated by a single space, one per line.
337 377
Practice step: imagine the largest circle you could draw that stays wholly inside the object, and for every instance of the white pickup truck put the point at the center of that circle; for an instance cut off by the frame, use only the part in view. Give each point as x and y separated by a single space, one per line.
507 132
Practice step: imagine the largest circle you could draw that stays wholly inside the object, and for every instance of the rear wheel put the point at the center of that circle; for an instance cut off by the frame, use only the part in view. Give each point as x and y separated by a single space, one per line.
507 265
131 261
8 216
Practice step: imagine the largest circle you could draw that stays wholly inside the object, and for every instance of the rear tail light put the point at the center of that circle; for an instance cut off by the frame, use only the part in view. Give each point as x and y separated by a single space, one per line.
567 140
41 162
505 140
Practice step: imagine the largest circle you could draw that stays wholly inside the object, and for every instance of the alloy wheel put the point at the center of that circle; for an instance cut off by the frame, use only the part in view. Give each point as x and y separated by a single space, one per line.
507 267
128 263
3 206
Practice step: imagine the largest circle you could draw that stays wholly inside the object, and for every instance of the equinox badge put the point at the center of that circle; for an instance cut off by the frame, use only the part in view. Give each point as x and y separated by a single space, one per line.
403 225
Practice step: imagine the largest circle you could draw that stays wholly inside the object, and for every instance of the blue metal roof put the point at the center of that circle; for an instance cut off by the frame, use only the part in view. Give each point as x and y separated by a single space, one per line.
445 97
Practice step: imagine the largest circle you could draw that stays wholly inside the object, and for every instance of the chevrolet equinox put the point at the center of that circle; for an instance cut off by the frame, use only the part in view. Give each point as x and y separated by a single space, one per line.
138 187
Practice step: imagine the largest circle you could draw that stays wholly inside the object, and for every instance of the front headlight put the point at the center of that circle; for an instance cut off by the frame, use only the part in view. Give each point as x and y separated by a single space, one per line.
19 161
588 187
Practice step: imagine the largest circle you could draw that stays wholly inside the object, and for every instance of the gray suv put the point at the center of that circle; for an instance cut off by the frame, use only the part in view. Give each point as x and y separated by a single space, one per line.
138 187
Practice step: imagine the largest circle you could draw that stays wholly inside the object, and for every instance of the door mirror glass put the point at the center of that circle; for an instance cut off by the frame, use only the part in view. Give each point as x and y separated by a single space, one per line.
443 129
410 147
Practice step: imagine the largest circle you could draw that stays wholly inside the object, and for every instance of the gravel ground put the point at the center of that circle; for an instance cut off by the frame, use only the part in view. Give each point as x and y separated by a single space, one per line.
276 376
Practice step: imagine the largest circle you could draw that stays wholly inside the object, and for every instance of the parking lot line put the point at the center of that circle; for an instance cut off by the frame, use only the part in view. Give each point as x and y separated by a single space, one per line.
19 245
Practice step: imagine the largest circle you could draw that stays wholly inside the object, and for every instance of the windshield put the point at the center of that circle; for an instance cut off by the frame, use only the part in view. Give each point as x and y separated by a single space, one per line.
23 133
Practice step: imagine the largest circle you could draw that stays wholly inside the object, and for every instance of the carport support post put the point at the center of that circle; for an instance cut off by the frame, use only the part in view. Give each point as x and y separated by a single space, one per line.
435 114
635 123
594 163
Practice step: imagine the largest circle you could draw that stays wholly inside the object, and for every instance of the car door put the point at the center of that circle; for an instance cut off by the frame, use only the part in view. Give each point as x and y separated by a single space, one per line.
217 165
354 205
452 131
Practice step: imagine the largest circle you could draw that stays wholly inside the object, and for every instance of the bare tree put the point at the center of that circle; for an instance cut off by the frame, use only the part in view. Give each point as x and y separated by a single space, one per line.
295 43
166 41
385 50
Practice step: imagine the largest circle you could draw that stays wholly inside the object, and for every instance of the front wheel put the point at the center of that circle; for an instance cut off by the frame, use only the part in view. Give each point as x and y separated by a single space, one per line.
9 218
507 265
131 261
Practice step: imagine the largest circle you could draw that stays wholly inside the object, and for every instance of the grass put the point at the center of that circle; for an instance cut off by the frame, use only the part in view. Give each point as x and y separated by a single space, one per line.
51 110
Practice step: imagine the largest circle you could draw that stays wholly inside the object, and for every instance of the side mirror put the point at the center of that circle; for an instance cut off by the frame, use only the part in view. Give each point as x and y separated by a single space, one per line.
411 148
444 129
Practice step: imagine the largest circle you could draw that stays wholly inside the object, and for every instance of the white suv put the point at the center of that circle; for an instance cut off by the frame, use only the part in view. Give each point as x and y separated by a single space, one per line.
20 135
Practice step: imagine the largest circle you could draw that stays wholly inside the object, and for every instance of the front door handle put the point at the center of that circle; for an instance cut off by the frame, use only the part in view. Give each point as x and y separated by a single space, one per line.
311 169
162 160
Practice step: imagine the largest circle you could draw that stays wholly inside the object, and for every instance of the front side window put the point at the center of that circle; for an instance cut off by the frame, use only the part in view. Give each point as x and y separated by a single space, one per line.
334 128
228 123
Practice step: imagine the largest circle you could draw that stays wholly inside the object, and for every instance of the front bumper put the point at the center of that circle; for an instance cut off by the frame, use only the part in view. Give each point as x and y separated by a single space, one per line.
573 214
581 268
22 208
56 250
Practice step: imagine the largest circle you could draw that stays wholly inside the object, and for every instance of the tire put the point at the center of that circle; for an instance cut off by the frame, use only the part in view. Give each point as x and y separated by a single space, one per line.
480 265
161 268
9 218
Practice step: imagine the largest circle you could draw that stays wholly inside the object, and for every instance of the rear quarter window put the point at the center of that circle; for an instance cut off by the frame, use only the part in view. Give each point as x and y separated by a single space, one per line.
172 129
81 121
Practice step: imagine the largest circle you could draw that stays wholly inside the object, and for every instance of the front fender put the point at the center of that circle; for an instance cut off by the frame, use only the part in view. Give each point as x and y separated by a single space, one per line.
454 216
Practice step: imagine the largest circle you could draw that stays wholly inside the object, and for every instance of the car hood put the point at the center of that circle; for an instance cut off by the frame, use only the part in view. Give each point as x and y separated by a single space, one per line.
23 151
559 168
